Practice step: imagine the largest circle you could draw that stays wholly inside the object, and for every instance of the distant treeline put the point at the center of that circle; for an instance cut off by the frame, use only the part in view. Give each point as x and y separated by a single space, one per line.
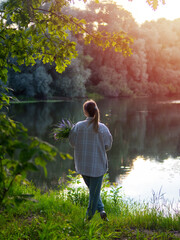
152 69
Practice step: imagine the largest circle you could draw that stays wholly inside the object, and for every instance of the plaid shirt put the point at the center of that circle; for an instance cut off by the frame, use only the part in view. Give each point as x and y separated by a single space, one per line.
90 148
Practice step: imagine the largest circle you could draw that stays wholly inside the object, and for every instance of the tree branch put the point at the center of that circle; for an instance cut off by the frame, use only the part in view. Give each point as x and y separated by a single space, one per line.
62 17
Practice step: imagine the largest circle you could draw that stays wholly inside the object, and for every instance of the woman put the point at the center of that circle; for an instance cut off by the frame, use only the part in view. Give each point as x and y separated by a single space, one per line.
90 140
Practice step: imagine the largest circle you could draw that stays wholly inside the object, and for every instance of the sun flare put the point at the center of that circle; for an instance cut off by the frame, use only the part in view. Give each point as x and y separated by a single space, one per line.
141 11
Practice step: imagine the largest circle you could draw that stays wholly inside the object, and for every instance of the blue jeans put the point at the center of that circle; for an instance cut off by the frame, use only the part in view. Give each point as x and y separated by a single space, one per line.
95 202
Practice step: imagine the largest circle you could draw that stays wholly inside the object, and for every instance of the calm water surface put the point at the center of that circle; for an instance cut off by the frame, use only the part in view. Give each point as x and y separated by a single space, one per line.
145 156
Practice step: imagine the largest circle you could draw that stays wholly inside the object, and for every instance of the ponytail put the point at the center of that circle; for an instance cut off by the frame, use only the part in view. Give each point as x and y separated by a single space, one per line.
95 120
91 108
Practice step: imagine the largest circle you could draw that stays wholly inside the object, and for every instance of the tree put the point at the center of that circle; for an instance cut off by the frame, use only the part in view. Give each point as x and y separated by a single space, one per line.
109 70
37 29
33 30
31 81
162 51
43 81
152 69
30 30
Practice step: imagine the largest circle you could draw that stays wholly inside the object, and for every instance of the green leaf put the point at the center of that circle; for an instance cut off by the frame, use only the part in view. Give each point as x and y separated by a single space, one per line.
40 161
69 156
63 156
16 68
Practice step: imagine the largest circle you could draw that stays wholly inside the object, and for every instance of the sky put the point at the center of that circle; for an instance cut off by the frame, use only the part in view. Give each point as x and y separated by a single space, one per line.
142 12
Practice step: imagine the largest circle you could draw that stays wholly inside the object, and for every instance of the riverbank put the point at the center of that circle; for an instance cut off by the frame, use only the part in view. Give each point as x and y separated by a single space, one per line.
59 214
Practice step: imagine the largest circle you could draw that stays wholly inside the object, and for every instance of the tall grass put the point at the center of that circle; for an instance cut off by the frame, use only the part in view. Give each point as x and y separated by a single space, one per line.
59 214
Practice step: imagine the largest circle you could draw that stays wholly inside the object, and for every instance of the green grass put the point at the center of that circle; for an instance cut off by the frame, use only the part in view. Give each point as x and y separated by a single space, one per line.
59 214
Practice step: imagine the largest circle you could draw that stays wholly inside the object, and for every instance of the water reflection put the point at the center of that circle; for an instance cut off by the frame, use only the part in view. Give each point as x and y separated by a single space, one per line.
149 176
140 127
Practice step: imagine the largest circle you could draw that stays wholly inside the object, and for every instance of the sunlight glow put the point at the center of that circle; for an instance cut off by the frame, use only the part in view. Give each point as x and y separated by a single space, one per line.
142 12
148 175
176 101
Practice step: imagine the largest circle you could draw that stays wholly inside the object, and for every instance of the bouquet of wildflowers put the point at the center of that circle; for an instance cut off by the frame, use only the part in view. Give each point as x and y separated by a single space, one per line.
62 129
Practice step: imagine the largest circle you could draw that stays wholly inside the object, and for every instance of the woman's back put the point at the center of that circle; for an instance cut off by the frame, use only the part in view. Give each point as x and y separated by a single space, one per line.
90 147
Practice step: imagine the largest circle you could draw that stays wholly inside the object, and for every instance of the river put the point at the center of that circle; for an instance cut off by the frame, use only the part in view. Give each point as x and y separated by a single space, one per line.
145 157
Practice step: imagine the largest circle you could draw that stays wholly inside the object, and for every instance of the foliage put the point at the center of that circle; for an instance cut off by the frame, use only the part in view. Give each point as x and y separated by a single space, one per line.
71 83
75 193
152 69
154 3
162 53
19 154
33 30
114 74
43 81
109 71
32 81
113 84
